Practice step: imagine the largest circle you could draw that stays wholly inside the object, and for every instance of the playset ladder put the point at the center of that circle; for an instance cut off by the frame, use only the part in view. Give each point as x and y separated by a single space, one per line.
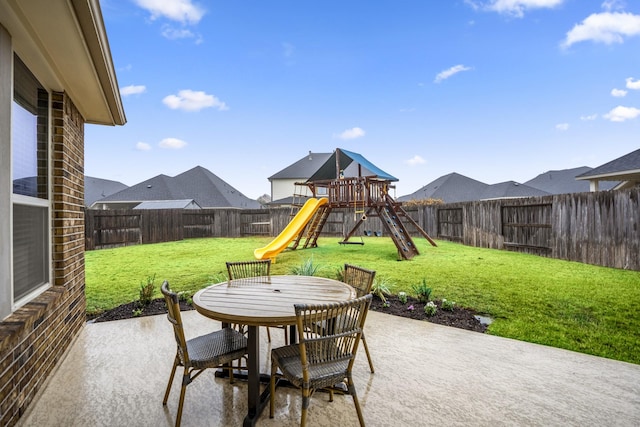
390 219
299 197
315 227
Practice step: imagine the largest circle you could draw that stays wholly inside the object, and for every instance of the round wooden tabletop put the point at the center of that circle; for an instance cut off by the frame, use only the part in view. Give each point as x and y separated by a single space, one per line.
264 301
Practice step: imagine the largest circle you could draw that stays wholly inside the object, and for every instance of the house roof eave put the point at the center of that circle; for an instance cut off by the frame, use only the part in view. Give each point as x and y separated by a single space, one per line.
65 44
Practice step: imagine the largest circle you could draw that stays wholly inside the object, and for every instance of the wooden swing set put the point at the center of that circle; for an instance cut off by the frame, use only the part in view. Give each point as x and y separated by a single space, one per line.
368 196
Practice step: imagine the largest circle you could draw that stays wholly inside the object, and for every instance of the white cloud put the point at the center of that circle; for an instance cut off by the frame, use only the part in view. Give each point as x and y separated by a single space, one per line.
633 85
415 160
443 75
618 93
143 146
132 90
605 28
172 143
183 11
621 114
352 133
171 33
589 117
610 5
562 126
189 100
513 7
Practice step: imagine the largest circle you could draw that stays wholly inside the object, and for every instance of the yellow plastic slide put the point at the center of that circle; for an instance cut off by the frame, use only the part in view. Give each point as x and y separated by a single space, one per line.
292 229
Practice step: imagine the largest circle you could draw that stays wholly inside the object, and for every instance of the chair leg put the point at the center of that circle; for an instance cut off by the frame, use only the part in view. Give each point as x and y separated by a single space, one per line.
173 373
185 381
354 395
366 350
272 390
306 397
268 334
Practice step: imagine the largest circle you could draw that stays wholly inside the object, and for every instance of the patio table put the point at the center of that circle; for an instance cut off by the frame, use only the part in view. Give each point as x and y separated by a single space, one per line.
265 301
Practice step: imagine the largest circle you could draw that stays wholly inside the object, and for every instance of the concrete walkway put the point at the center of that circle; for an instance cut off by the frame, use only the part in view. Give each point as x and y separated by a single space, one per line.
426 374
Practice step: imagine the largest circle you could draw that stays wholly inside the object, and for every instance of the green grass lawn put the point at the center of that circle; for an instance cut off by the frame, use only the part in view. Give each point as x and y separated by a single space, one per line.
564 304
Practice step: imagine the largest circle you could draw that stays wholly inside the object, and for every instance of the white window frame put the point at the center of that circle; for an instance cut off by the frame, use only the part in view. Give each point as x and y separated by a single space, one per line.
34 202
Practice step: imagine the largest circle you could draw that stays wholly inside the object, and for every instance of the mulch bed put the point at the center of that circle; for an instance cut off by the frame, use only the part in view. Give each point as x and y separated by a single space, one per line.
459 318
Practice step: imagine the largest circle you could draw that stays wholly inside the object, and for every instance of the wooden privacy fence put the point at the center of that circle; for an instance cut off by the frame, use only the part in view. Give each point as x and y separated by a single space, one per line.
600 228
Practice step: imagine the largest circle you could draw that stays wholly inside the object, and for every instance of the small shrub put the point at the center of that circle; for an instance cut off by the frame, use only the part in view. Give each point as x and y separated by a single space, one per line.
184 296
339 274
380 288
402 296
423 292
430 308
307 268
137 312
447 305
217 278
147 290
422 202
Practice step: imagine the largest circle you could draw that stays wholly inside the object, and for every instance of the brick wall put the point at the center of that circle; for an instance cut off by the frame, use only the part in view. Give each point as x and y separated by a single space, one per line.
36 336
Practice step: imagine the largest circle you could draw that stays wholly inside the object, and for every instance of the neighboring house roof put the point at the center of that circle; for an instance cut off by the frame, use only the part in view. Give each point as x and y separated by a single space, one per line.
449 188
564 181
349 162
98 188
168 204
625 168
509 189
197 184
303 168
209 191
65 44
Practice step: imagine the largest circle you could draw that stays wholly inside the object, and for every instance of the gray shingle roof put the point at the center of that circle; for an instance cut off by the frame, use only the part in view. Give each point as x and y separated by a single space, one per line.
303 168
209 191
564 181
199 184
97 188
628 164
168 204
509 189
449 188
160 187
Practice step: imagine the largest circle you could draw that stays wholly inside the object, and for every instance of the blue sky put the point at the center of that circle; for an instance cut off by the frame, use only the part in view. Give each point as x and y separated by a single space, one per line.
496 90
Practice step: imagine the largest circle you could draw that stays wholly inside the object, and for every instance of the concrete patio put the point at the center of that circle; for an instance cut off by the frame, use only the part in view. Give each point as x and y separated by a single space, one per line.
116 372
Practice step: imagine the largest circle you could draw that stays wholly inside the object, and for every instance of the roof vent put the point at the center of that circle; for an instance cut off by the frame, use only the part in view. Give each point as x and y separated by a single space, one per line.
310 158
149 186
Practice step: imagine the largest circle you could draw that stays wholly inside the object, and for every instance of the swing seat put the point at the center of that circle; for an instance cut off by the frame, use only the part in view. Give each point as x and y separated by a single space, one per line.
346 242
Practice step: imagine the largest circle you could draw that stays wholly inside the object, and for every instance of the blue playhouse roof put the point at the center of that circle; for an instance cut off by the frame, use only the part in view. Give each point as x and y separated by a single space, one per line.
346 163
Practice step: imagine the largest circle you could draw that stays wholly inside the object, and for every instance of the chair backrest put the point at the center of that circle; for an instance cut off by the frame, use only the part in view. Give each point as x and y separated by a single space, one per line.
360 278
342 328
247 269
174 316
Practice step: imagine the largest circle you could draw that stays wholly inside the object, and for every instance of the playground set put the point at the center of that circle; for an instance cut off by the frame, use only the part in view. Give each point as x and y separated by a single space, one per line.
346 180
